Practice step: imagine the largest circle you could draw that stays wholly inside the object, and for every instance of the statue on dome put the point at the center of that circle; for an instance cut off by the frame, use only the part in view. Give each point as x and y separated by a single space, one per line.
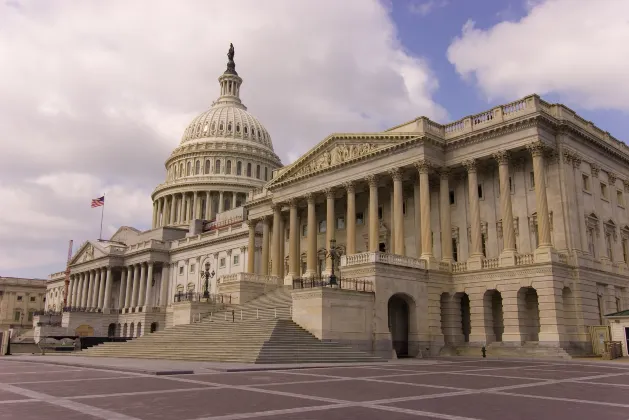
230 54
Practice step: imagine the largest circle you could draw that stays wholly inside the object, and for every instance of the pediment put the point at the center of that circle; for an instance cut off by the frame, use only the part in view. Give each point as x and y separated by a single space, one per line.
88 252
123 234
339 150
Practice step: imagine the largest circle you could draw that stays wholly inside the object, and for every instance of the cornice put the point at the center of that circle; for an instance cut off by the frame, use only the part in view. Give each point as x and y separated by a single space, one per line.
191 185
475 137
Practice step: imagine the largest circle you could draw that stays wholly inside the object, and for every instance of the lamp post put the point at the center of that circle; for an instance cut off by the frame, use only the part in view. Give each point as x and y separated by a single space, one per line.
206 284
333 254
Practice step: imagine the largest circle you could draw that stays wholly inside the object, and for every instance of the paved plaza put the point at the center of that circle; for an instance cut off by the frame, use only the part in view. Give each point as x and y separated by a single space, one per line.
454 389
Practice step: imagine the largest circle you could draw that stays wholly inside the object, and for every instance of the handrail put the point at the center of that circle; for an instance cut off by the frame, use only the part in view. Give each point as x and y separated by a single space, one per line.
244 314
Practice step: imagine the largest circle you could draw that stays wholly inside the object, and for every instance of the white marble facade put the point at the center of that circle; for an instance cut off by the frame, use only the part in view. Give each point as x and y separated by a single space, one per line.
514 222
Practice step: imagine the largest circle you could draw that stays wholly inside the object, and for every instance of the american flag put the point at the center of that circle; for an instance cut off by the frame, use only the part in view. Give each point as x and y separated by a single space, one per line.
97 202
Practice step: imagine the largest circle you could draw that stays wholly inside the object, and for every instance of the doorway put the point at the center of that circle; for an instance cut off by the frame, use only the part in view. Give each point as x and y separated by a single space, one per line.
627 340
399 324
382 247
111 330
153 327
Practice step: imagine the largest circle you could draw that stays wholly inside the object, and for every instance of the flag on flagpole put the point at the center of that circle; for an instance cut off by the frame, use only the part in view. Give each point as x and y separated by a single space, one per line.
97 202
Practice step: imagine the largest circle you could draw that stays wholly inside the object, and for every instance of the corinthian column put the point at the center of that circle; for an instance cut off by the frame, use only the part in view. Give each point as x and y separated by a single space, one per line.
293 241
507 256
372 180
423 167
172 209
160 208
275 247
251 247
221 202
398 212
311 268
90 291
476 254
330 226
142 285
544 250
107 298
149 286
208 206
123 286
446 225
154 224
134 289
351 218
265 246
101 288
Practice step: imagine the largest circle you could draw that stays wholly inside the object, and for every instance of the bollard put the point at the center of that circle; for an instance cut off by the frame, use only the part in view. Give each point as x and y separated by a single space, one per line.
484 350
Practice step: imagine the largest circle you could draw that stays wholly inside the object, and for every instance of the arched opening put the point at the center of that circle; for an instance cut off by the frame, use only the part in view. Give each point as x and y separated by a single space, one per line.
111 330
466 319
528 314
266 173
131 329
492 305
217 167
569 314
189 169
249 170
139 334
399 323
208 165
239 168
153 327
124 330
197 167
258 171
228 167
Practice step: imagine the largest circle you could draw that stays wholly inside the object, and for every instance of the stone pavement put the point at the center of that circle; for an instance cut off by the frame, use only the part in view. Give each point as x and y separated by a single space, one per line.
452 389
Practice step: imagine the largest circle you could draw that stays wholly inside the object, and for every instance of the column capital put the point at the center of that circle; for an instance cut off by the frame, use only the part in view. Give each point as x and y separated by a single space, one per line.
502 157
612 178
626 185
329 193
252 223
595 169
423 166
576 161
243 248
444 173
372 180
310 198
536 148
276 207
350 186
292 202
229 252
471 165
396 174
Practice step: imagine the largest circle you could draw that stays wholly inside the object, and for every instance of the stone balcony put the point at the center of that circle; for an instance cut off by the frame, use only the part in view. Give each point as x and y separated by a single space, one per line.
243 287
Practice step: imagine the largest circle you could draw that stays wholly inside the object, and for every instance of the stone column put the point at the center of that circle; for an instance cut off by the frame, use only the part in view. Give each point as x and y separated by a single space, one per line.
173 212
330 226
68 301
101 288
130 282
293 241
149 285
166 215
180 212
417 216
265 246
374 224
142 285
351 219
251 247
123 287
423 167
543 218
208 206
212 214
164 276
160 208
107 298
90 290
234 196
94 296
154 222
86 283
476 252
398 212
83 290
275 240
195 204
282 259
446 225
75 291
311 267
507 256
134 290
221 202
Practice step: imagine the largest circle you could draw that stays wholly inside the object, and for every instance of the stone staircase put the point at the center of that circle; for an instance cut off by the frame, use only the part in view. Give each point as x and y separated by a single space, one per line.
529 350
260 331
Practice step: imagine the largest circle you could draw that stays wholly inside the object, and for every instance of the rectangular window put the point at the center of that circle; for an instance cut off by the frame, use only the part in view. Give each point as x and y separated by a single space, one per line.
603 191
608 242
222 262
380 212
192 268
340 222
19 298
32 298
625 250
452 199
455 250
620 198
484 243
304 230
591 242
360 218
586 182
181 270
532 178
618 305
17 315
323 226
30 317
480 191
236 259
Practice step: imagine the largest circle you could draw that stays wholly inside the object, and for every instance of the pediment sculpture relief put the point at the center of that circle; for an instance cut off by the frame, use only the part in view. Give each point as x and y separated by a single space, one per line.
89 253
337 155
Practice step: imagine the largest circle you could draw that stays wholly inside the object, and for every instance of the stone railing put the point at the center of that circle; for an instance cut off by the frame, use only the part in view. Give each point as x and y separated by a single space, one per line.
524 259
445 266
383 258
250 277
151 243
490 263
459 267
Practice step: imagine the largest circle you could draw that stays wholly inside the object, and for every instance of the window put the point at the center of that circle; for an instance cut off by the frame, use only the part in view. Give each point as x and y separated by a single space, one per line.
480 191
220 126
181 270
189 169
228 167
600 309
586 182
238 168
229 127
237 128
249 170
258 171
452 199
192 267
266 173
484 244
222 262
236 259
304 230
181 169
604 191
340 222
590 234
323 225
618 305
360 218
532 178
19 298
608 242
208 165
17 315
246 129
217 167
32 298
455 250
620 198
380 211
30 316
625 249
197 167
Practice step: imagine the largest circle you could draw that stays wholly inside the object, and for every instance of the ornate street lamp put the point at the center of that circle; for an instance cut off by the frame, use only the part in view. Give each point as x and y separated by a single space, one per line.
206 284
333 254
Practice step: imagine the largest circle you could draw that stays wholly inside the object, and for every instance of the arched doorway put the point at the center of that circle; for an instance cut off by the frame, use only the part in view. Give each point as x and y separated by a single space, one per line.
153 327
495 317
139 334
528 313
399 320
111 330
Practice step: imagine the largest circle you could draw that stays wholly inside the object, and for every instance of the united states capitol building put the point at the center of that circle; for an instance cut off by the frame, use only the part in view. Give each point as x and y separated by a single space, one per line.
507 229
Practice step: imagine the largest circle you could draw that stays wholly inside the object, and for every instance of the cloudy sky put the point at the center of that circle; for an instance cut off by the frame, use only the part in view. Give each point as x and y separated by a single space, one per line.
94 95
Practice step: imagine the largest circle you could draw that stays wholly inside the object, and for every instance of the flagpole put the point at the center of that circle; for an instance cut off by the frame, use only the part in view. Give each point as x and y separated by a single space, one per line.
100 235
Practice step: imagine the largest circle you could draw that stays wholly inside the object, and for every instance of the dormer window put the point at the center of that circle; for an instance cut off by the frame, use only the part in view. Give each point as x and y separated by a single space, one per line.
246 130
213 126
220 127
253 132
206 128
237 128
229 127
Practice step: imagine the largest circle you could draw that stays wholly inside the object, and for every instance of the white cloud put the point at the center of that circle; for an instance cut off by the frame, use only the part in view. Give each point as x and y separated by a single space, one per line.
570 47
424 8
95 95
